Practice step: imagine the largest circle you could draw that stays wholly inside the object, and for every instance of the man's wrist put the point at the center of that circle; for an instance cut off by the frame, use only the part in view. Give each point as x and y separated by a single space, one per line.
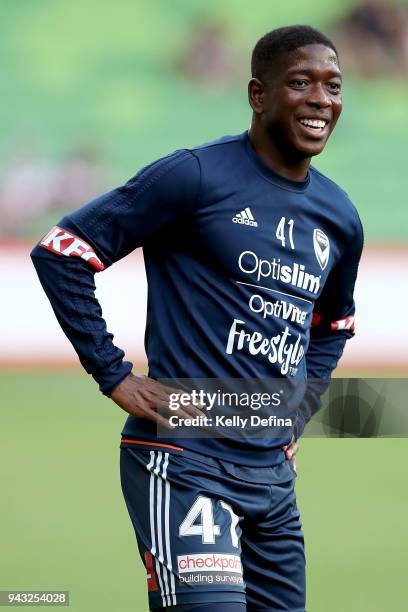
109 380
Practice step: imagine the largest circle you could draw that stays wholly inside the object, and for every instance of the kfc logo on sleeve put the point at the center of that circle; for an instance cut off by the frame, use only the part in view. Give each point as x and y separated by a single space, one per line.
62 242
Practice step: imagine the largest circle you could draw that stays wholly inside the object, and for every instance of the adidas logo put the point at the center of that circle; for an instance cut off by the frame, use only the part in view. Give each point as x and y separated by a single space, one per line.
245 217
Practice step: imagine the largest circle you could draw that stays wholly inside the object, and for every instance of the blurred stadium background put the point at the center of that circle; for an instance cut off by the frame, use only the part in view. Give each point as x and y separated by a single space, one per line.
91 92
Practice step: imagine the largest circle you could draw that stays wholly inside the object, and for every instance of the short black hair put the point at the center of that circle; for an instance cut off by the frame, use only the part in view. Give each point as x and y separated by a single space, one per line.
269 49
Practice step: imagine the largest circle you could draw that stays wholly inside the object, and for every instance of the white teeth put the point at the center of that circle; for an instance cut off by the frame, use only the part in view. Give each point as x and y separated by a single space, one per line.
315 123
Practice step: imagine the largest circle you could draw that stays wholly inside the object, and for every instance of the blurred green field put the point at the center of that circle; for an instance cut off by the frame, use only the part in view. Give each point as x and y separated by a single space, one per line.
64 525
105 77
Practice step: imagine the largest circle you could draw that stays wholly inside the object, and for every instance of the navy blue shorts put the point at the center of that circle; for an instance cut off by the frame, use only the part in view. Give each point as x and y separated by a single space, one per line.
212 531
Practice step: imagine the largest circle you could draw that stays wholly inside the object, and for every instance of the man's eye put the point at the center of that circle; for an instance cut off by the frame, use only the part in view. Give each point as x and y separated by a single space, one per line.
335 87
299 83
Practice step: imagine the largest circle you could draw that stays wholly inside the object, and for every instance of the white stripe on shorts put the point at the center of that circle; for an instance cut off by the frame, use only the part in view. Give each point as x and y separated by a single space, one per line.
168 594
167 530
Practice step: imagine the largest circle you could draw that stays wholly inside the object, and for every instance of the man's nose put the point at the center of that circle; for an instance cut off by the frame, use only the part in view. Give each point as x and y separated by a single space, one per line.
318 96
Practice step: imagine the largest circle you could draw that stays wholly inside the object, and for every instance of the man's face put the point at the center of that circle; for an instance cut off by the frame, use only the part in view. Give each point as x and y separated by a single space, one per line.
302 102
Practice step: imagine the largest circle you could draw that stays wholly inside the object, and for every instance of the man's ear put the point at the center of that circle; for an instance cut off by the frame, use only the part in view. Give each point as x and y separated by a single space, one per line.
256 95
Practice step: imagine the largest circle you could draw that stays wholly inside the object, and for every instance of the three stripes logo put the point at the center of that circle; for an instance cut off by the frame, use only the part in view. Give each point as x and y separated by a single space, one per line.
245 217
159 561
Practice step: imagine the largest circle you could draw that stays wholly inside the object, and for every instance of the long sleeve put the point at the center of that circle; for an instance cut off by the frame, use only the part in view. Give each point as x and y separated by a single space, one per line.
95 236
332 326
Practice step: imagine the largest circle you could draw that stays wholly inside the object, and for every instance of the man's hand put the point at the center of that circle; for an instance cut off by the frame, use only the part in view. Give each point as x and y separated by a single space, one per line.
144 397
290 451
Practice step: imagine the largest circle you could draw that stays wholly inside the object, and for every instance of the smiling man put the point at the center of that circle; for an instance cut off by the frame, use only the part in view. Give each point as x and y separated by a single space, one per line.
295 94
251 258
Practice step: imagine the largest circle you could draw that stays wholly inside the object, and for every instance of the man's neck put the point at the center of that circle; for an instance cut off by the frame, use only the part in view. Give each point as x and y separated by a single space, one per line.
295 169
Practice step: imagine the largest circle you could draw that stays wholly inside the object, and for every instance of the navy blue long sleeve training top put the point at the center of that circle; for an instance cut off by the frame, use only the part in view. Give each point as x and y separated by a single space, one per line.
239 262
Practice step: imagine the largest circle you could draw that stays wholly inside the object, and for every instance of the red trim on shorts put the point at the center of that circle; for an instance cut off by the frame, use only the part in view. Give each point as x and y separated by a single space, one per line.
151 574
127 441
